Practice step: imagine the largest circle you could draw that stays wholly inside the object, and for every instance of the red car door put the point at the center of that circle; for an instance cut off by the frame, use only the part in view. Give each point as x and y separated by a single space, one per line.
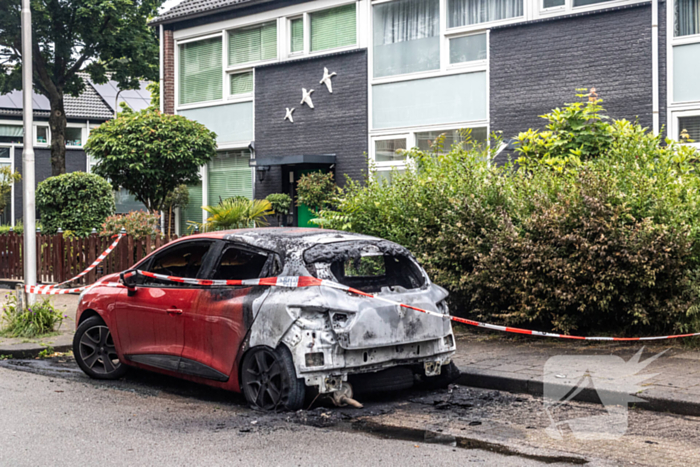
215 329
150 323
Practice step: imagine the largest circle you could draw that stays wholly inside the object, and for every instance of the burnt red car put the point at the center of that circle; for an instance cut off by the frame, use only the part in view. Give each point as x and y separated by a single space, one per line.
271 343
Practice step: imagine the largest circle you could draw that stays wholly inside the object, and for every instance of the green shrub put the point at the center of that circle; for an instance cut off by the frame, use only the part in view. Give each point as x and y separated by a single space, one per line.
76 201
38 320
138 224
316 190
279 204
609 244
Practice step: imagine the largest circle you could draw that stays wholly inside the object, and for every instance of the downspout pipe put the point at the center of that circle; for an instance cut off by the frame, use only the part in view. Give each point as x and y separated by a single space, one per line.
655 65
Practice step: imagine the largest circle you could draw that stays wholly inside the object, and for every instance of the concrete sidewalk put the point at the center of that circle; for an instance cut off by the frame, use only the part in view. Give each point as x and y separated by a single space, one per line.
517 364
30 348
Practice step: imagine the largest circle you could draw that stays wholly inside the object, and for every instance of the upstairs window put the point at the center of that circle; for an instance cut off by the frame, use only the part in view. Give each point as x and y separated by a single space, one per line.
467 12
406 37
333 28
200 71
241 83
296 35
11 134
687 18
253 44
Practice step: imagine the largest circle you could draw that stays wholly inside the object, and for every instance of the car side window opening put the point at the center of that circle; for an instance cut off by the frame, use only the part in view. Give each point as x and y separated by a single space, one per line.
182 260
238 264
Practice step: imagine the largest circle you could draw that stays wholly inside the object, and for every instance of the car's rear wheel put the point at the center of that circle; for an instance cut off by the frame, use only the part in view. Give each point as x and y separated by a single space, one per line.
94 350
269 380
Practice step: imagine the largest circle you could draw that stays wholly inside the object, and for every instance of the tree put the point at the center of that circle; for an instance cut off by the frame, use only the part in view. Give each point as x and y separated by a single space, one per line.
150 154
280 204
104 38
316 189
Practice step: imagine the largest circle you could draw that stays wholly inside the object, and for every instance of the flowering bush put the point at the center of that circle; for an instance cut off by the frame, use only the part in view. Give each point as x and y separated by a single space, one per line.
41 319
138 224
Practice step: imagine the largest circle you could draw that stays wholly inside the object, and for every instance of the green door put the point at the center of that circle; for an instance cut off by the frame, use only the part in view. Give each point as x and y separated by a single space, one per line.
304 213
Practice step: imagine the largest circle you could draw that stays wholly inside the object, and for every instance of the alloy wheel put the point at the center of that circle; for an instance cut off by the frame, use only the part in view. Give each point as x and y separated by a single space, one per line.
264 381
97 350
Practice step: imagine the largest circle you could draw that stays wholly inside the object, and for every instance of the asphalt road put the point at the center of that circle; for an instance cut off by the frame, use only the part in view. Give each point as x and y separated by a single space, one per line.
57 417
52 414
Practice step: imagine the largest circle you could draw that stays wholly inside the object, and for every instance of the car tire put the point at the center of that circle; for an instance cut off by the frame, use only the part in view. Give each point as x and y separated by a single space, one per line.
95 352
269 380
448 375
392 379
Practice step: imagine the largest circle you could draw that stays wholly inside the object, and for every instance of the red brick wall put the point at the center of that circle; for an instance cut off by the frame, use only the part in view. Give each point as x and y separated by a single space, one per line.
168 72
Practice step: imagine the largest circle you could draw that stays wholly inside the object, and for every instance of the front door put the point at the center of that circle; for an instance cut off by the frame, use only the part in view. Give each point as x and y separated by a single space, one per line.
215 329
304 212
150 324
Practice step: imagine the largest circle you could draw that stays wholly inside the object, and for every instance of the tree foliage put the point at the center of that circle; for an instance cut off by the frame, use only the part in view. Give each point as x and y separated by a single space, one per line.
280 204
150 154
103 38
76 202
7 179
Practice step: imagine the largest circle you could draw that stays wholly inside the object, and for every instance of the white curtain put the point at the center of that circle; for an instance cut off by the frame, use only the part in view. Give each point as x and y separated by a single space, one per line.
406 37
464 12
687 20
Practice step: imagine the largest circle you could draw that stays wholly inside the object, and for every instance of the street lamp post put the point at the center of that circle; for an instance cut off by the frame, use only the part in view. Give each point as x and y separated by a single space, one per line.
28 152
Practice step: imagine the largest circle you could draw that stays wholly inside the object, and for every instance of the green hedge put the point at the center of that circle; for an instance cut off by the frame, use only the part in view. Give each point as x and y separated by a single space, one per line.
75 202
607 243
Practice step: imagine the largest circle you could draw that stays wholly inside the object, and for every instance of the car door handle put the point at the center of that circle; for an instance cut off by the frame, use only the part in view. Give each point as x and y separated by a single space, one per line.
174 311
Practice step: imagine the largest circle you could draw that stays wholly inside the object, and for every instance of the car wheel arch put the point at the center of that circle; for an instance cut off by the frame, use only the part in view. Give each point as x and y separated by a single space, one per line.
89 313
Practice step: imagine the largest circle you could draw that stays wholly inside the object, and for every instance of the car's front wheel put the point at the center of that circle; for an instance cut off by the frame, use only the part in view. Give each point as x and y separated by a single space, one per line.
269 380
94 350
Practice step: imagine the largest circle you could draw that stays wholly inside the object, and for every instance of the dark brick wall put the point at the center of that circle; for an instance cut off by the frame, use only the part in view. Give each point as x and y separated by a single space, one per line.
337 124
536 66
75 161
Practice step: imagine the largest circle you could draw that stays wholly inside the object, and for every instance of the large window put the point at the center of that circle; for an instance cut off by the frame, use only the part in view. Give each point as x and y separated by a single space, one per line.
406 37
466 12
230 175
389 150
11 134
200 71
253 44
687 17
333 28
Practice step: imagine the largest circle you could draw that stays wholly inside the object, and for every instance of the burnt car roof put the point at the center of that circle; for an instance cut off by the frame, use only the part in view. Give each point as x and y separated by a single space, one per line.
285 239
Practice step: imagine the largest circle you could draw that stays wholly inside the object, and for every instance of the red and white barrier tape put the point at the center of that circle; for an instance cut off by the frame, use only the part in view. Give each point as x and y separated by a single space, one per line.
54 289
305 281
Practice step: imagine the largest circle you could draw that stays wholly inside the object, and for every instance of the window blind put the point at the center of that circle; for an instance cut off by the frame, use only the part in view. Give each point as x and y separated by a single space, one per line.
333 28
464 12
242 83
200 71
253 44
691 125
230 175
297 35
193 211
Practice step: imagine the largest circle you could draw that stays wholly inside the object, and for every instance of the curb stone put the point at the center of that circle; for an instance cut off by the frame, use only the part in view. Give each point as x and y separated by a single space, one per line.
62 343
535 388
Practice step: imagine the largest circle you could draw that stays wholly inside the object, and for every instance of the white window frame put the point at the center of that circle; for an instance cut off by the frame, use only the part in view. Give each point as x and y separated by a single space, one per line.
244 97
474 65
11 147
411 142
569 8
36 134
676 125
288 46
176 60
247 65
83 135
683 108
